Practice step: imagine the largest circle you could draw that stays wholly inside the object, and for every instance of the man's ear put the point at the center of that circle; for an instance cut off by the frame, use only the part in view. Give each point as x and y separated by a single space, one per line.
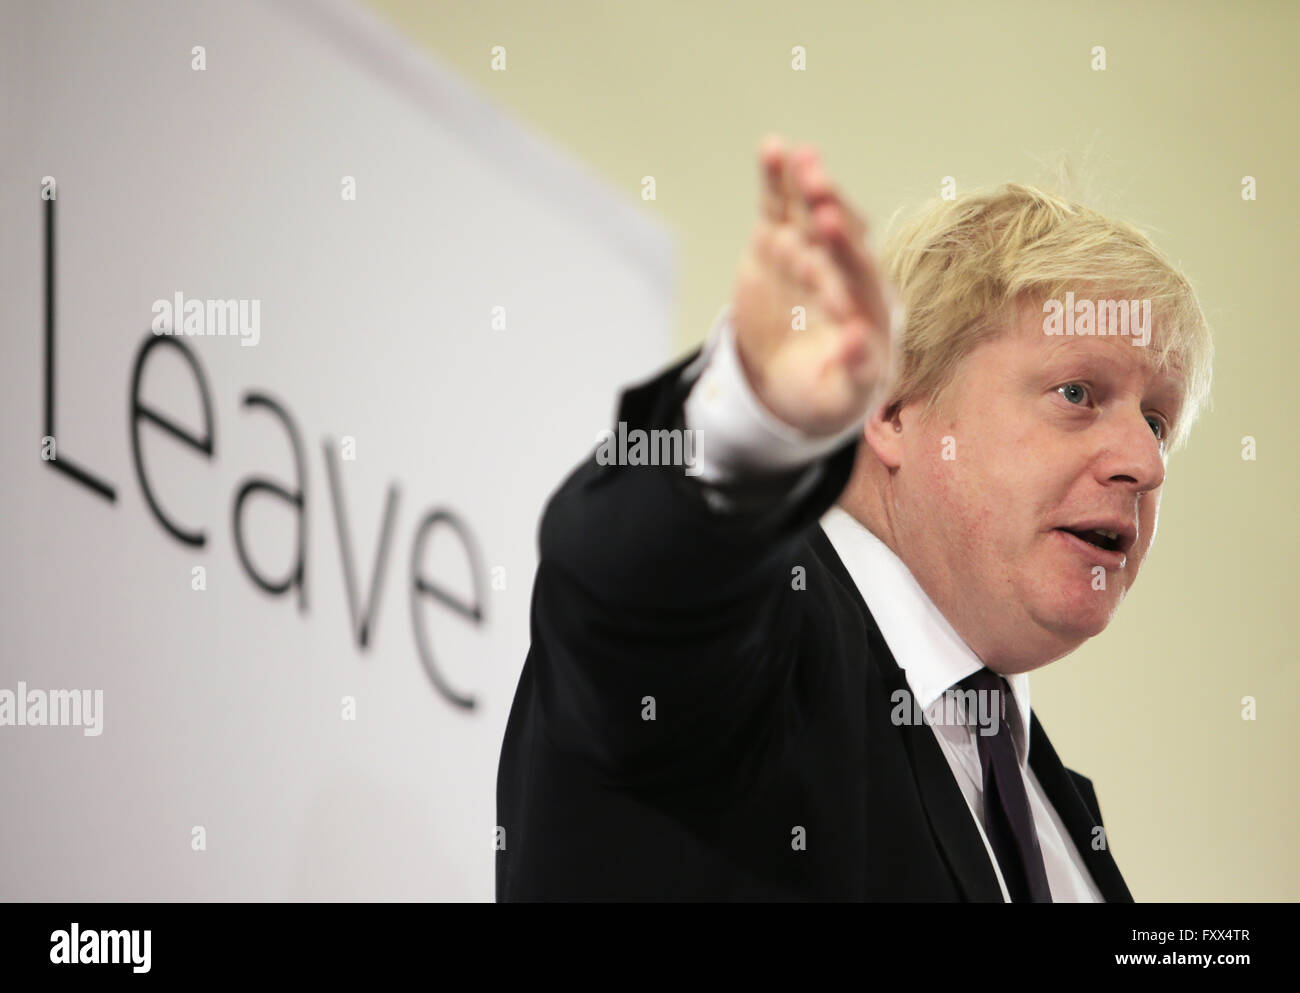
884 433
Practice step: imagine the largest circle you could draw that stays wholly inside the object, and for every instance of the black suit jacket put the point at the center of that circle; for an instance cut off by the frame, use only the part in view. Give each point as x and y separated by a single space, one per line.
691 725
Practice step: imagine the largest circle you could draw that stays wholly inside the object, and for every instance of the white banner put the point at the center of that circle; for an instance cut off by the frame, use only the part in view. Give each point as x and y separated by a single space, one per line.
299 335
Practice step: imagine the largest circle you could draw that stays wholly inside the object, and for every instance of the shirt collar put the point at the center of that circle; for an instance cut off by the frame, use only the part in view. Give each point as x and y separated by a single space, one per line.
925 646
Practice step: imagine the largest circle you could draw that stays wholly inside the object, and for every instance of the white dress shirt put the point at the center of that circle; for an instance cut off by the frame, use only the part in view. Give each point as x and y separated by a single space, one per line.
744 439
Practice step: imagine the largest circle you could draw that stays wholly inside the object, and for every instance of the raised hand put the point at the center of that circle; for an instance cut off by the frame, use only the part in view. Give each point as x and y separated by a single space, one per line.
809 250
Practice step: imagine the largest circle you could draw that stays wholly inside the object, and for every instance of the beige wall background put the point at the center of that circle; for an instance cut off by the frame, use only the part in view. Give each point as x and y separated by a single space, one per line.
1200 804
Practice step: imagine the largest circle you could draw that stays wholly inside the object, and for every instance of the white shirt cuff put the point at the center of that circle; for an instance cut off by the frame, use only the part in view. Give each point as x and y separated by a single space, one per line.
739 437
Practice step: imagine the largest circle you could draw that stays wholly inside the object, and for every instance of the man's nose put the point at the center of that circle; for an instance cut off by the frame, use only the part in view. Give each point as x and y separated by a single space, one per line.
1131 454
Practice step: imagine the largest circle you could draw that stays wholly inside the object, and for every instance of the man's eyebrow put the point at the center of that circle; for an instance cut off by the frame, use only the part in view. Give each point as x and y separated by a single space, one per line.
1059 349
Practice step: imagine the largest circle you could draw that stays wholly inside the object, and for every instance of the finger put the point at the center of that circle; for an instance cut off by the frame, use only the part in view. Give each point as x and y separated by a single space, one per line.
822 279
862 274
836 221
785 250
809 268
823 195
772 157
858 227
855 225
797 211
815 189
858 344
854 346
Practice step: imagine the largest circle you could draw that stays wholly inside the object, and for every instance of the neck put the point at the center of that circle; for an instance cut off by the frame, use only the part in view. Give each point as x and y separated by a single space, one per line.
870 498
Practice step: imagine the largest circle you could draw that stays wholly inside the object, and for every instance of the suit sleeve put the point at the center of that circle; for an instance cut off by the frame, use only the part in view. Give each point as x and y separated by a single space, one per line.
662 626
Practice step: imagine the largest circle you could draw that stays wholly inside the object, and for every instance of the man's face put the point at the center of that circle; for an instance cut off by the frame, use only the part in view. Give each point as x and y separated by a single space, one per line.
1037 434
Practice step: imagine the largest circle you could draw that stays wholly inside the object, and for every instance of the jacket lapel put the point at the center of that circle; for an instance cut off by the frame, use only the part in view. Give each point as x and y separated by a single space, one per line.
950 818
1075 814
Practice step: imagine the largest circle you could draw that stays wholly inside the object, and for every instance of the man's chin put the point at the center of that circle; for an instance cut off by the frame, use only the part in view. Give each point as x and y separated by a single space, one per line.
1071 614
1086 617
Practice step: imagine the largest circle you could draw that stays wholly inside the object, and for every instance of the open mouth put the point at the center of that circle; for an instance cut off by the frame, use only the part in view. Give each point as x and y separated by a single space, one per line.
1108 540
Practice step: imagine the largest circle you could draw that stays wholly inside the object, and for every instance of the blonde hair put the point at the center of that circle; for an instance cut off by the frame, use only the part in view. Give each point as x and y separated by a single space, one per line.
964 267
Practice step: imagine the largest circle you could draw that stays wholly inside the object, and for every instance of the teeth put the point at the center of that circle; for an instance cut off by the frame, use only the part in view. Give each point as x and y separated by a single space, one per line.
1106 534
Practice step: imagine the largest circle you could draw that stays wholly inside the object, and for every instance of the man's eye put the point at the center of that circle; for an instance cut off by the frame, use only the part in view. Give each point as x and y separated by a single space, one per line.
1077 393
1074 393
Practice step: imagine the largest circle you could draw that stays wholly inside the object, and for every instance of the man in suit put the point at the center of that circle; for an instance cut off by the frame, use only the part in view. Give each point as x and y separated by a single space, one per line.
790 661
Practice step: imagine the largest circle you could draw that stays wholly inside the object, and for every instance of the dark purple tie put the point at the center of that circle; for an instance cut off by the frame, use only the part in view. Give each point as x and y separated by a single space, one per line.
1007 819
